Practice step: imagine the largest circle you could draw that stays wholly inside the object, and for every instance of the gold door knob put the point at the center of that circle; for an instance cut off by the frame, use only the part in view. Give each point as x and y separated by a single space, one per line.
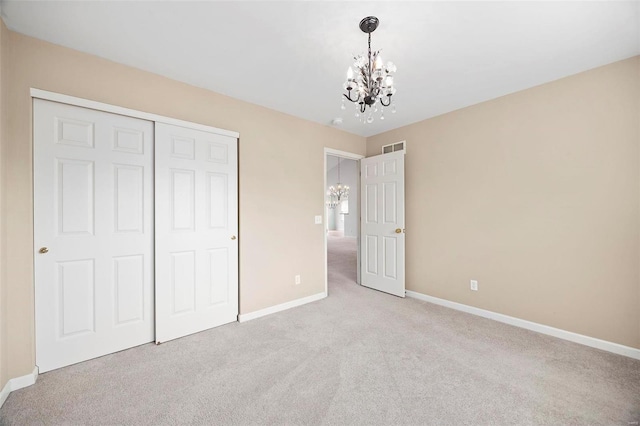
233 237
398 231
44 250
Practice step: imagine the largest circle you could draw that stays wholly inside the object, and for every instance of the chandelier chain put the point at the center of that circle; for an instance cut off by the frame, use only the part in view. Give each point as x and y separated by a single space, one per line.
370 63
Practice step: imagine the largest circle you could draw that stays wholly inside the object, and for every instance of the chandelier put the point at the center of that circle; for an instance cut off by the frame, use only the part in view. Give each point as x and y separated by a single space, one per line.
337 193
371 88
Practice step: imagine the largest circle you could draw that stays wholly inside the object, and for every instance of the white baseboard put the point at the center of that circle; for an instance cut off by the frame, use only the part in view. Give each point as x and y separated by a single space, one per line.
18 383
281 307
24 381
4 393
533 326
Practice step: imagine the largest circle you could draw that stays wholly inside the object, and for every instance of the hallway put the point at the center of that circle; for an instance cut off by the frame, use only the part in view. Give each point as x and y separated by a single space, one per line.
342 257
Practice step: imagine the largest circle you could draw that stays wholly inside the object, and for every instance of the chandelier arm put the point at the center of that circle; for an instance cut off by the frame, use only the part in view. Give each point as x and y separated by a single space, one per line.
349 97
388 103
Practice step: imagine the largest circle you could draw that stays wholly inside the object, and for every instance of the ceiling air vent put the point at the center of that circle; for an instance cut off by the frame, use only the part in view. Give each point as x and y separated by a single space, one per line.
393 147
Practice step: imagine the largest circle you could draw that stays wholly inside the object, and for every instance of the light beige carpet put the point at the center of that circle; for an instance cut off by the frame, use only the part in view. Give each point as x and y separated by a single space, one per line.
357 357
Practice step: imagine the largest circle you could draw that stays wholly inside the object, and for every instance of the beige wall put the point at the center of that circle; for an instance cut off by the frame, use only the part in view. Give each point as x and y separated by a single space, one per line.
281 164
536 195
3 300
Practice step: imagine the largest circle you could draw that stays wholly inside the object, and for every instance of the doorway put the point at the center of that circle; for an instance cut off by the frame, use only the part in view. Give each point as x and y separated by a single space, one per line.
342 219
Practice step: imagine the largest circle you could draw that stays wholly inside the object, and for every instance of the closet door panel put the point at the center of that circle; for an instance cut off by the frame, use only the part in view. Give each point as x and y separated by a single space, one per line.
196 231
93 233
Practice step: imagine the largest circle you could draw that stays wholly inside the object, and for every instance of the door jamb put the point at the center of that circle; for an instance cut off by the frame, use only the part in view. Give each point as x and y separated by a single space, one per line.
349 156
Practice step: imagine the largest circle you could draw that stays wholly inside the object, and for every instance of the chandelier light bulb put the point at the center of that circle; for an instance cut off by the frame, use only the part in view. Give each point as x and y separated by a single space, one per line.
350 73
379 62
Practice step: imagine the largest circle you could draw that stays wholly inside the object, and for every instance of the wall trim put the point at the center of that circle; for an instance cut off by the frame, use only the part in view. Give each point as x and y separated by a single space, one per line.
343 154
99 106
281 307
593 342
18 383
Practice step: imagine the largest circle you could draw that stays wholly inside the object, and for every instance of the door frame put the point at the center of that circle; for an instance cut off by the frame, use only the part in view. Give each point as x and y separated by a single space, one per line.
349 156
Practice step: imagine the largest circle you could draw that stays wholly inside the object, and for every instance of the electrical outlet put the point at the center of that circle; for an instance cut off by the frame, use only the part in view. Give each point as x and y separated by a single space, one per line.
474 285
298 280
318 220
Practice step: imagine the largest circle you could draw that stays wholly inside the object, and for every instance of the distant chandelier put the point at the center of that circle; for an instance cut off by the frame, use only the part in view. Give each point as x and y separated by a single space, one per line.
372 85
337 193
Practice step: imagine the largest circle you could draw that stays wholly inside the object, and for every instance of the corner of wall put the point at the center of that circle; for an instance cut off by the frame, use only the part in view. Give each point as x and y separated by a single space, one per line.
638 139
3 323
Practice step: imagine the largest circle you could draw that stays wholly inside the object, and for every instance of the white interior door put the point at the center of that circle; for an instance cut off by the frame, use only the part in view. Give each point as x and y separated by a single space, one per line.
382 223
93 233
196 231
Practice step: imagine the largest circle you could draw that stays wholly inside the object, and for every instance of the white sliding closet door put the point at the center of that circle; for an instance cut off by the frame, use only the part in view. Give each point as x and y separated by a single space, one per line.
93 233
196 231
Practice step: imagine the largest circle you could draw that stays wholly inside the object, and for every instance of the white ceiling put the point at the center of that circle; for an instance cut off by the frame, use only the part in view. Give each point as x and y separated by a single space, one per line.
292 56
